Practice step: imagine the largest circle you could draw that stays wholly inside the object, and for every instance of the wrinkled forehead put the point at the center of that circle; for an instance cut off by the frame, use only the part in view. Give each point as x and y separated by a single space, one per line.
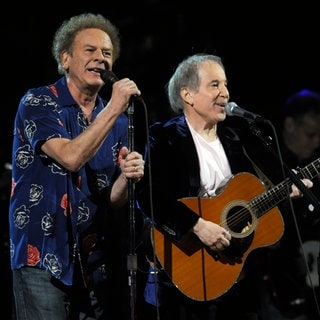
211 70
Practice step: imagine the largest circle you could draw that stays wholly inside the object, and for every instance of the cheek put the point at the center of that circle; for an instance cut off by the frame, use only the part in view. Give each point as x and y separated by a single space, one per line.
302 140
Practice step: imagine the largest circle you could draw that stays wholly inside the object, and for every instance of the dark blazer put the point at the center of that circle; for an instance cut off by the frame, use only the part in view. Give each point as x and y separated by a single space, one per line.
175 173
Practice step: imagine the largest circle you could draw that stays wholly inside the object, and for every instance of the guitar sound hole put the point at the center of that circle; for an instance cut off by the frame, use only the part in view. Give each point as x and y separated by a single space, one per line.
239 220
241 223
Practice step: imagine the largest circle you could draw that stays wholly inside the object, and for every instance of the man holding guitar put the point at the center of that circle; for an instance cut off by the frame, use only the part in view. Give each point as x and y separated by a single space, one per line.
206 222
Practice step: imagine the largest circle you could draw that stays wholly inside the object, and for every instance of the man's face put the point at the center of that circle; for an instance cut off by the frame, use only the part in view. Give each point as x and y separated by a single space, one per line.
304 135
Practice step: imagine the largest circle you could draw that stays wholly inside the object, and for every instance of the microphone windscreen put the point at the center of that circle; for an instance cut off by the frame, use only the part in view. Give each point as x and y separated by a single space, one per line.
108 77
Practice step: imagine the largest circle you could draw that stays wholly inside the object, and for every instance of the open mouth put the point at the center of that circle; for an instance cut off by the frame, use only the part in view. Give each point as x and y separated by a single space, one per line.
97 70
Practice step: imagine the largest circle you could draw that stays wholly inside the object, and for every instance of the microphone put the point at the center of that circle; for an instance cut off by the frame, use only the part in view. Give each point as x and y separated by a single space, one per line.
110 78
232 109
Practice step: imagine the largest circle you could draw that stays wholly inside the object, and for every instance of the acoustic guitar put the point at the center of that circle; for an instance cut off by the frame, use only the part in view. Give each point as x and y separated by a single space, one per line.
248 211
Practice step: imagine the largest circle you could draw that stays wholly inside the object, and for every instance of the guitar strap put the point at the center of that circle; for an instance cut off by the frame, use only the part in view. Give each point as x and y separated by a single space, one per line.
266 181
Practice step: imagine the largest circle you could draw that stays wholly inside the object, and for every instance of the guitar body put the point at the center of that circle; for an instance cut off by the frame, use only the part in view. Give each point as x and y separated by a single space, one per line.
202 274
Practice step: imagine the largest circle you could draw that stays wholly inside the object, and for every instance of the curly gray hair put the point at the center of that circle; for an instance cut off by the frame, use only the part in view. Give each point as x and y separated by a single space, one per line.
65 34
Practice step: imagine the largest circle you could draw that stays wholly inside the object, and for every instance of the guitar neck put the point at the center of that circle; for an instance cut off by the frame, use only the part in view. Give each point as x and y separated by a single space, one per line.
271 198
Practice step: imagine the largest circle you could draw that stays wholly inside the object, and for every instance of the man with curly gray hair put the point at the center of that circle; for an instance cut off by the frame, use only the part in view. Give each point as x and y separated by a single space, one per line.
71 166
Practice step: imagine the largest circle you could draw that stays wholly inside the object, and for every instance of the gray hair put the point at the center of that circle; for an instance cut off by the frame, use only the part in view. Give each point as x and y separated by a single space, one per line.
65 34
186 75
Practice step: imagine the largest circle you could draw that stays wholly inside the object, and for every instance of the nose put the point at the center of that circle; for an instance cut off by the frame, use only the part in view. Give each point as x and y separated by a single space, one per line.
99 55
224 92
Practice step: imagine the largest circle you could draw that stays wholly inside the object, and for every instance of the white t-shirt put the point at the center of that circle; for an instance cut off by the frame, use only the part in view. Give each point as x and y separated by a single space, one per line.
215 170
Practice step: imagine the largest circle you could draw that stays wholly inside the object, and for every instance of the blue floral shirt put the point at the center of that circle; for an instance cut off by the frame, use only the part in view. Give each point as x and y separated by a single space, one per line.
50 207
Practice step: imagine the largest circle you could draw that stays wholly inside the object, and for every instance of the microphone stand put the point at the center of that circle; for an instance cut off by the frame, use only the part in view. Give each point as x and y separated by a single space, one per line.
314 202
131 258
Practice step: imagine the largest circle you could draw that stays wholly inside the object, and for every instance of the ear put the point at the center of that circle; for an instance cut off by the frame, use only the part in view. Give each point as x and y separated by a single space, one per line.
64 58
186 96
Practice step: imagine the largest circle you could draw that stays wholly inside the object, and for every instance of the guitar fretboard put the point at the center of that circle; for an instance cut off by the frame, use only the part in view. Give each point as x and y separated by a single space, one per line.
269 199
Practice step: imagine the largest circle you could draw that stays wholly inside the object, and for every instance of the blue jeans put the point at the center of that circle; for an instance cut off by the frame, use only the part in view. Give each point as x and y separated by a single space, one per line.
39 296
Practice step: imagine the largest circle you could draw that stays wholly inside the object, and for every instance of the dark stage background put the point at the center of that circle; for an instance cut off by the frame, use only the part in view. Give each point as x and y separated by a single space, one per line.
269 52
